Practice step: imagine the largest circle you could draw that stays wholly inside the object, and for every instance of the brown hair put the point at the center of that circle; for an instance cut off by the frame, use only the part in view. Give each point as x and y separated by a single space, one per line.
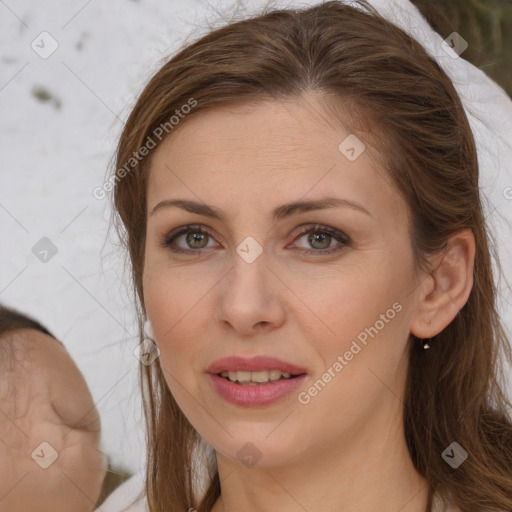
355 56
11 320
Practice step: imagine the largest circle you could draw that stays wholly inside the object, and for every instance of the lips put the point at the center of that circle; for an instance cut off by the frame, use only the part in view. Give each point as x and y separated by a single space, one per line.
253 364
257 395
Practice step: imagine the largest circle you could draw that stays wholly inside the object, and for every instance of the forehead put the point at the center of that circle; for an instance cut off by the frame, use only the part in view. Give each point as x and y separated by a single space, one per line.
278 151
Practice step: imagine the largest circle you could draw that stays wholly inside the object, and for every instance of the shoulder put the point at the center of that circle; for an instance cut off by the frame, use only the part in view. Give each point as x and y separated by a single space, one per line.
128 497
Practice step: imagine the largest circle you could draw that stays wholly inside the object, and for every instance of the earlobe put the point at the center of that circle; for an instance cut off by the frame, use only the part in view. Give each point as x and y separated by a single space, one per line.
448 287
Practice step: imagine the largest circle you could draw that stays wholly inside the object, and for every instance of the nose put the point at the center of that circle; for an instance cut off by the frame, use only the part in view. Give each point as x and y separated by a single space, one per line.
251 298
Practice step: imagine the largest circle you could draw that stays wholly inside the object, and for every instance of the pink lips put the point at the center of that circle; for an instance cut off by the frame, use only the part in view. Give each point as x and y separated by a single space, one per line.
253 364
261 394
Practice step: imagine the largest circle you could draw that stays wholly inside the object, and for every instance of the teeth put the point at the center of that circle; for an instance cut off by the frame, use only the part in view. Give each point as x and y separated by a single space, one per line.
253 378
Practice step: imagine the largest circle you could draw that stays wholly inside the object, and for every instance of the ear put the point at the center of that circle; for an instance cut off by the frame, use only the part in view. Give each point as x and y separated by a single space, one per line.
447 288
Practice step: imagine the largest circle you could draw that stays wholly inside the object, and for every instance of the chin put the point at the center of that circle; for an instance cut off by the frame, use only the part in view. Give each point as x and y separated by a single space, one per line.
256 449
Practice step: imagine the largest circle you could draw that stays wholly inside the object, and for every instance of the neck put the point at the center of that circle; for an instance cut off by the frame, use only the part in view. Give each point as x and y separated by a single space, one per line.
369 469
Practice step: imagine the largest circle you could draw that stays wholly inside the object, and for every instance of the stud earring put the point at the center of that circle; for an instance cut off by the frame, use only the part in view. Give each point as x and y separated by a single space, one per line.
425 344
148 330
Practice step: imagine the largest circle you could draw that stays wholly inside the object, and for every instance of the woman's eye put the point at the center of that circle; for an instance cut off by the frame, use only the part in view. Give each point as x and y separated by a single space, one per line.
193 239
320 238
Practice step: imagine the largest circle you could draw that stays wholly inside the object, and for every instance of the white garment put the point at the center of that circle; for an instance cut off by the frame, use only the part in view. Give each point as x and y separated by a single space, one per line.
123 497
489 111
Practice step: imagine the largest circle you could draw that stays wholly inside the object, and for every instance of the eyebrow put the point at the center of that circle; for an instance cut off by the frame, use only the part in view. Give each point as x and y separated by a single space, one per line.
279 213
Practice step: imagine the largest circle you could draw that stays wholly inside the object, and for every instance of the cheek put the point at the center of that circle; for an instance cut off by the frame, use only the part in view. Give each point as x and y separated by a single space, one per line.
173 308
362 317
359 360
168 296
345 302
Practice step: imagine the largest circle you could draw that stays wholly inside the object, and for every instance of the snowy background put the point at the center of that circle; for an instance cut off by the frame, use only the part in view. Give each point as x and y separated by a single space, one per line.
60 116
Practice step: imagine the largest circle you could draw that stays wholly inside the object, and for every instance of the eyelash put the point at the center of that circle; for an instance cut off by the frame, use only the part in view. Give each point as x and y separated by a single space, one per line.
339 236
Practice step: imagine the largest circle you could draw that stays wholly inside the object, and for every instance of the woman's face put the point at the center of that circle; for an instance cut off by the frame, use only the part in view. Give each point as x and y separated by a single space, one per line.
337 305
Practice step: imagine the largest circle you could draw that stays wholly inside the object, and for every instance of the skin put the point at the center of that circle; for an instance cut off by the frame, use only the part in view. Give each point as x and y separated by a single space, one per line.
44 398
344 450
